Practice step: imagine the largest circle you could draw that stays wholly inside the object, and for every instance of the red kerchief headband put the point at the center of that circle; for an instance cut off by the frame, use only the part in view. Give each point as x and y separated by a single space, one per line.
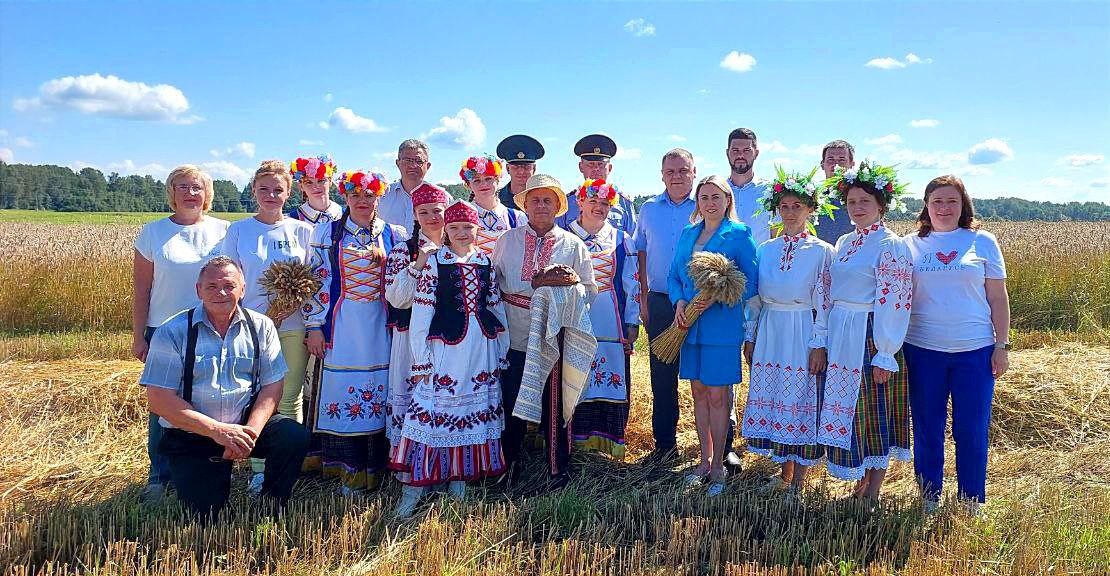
460 211
428 194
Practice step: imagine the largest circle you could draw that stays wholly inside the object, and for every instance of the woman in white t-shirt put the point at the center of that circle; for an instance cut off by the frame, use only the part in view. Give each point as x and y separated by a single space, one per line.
256 243
168 256
957 340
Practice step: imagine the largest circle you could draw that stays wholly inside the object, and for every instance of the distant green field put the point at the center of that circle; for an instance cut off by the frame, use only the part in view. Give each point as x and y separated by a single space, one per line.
44 216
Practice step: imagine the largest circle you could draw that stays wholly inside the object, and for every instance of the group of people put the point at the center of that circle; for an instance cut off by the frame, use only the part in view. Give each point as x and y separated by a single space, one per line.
442 327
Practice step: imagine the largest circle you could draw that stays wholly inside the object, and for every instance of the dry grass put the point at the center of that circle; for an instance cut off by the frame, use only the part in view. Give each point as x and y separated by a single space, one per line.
73 434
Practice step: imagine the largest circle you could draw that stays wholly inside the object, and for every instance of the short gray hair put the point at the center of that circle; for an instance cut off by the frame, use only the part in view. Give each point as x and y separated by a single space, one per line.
218 262
679 153
413 144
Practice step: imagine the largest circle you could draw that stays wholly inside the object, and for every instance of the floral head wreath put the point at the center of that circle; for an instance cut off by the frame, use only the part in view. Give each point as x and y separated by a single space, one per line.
599 189
484 165
795 184
368 181
870 176
320 167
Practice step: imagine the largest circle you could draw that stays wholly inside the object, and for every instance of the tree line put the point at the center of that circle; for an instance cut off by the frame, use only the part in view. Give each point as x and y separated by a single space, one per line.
59 188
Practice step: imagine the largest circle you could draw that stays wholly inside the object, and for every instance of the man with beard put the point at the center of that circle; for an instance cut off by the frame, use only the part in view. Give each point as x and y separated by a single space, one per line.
836 153
746 189
595 153
520 153
395 206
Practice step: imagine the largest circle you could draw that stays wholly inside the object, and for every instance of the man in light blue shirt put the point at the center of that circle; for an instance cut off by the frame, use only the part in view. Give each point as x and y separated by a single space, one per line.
214 376
595 153
660 223
742 151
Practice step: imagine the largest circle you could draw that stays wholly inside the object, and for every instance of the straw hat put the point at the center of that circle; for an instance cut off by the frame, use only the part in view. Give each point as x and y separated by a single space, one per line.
543 182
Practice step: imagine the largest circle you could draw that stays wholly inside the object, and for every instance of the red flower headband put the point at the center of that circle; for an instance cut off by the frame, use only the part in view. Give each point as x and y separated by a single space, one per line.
599 189
484 165
372 182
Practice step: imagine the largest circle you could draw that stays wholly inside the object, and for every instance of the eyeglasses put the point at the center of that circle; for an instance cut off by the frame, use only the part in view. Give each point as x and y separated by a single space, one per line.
413 161
188 188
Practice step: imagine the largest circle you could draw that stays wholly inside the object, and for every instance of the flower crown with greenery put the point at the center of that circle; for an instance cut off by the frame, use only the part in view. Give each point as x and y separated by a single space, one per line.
795 184
883 180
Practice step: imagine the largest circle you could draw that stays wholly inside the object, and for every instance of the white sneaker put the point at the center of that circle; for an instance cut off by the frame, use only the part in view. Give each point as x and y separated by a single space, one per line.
410 497
255 485
457 489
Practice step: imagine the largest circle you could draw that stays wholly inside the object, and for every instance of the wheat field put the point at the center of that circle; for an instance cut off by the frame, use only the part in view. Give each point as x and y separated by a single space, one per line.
72 430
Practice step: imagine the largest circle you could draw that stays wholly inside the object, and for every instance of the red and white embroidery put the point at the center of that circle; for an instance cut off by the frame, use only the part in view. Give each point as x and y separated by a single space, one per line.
534 262
894 280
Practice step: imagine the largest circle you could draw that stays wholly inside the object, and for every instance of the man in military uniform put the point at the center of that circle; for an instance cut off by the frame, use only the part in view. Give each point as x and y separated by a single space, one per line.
595 152
520 152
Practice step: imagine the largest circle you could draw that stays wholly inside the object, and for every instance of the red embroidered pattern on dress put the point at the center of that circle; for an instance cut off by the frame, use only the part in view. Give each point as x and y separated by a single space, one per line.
894 279
531 264
857 242
789 246
839 409
770 383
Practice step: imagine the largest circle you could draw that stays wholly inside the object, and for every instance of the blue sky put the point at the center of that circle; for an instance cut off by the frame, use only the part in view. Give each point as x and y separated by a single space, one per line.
1015 97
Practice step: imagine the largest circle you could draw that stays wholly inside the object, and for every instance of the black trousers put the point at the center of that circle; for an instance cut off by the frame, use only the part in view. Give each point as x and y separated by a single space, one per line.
203 479
552 425
664 380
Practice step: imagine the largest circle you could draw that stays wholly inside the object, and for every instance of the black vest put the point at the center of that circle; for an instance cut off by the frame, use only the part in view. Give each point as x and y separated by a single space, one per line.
450 321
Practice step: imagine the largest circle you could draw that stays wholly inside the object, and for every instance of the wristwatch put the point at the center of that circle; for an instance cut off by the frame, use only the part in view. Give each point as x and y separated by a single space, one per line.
1003 345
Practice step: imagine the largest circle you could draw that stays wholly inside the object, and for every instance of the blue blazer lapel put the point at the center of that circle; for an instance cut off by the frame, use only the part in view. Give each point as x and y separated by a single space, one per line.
718 238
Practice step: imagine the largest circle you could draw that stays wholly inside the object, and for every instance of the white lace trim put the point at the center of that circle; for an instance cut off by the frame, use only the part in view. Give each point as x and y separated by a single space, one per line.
870 463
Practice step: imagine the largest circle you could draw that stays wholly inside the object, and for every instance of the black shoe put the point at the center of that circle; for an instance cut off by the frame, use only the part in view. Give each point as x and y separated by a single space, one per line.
733 463
662 457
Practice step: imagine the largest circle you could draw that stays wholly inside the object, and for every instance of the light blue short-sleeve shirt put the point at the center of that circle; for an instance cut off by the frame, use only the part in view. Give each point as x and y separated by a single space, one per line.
660 224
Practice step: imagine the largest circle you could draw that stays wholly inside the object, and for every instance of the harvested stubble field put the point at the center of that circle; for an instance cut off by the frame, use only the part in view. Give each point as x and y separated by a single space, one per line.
72 426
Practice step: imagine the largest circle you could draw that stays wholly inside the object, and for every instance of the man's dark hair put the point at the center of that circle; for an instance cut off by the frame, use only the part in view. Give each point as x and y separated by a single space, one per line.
741 134
839 144
218 262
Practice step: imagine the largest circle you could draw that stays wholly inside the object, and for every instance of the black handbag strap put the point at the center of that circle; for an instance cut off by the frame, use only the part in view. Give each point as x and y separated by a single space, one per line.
191 358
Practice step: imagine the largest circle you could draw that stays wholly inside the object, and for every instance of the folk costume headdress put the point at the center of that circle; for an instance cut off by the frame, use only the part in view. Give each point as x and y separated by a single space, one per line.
460 211
599 189
428 194
872 177
802 186
483 165
320 167
366 181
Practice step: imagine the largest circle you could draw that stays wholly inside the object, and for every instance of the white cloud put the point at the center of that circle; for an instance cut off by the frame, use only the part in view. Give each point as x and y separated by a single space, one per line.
639 27
464 130
391 155
989 151
1081 160
346 119
774 147
244 149
128 167
323 124
808 150
888 63
328 97
1100 183
24 143
224 170
1053 182
6 155
911 159
304 142
925 123
676 138
783 161
628 154
111 96
738 62
887 140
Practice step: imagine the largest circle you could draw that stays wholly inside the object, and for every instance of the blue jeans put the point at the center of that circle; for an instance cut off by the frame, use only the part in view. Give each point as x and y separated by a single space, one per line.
968 379
159 466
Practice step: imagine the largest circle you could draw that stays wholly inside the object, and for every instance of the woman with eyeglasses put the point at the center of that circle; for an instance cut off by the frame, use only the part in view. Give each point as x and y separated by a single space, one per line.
168 256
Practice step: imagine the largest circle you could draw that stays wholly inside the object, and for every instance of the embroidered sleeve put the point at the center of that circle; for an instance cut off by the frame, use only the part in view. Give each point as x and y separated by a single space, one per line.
893 293
755 306
423 309
400 283
497 307
822 299
315 310
631 280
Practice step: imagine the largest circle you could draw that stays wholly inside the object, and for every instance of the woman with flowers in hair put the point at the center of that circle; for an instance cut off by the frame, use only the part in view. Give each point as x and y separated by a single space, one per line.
346 322
313 177
785 332
452 428
865 411
602 413
402 270
480 175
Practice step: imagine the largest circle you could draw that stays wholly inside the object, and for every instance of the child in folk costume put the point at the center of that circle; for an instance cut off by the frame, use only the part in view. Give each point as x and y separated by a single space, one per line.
602 413
480 175
452 428
402 270
865 412
786 332
313 176
346 321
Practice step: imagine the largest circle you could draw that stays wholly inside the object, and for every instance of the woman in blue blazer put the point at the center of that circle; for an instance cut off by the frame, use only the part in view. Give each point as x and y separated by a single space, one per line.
710 356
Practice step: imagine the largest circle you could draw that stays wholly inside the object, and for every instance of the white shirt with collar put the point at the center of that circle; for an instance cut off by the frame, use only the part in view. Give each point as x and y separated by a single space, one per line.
395 206
747 204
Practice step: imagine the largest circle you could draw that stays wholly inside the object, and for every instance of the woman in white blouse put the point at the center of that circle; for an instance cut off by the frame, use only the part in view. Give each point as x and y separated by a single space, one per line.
865 411
787 326
958 338
169 254
256 243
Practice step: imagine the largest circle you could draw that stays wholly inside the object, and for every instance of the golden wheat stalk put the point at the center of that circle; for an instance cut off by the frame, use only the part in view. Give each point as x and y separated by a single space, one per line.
289 284
717 280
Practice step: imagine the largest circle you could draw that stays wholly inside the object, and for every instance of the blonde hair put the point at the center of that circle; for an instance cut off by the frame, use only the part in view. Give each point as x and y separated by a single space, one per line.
277 169
721 185
187 170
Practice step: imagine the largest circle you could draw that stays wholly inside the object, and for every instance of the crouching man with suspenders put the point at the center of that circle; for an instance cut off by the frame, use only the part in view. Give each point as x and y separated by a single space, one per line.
214 377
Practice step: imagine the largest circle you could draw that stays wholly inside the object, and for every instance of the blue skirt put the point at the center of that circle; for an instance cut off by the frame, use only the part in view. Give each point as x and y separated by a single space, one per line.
712 365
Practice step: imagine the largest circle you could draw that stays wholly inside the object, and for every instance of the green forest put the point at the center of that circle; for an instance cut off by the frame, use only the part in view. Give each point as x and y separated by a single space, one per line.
58 188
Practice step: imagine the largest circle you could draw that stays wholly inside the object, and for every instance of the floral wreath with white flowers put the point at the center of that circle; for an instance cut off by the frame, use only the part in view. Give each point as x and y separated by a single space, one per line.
804 188
882 180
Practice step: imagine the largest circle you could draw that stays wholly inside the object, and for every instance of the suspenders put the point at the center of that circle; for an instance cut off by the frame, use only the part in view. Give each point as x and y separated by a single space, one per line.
190 359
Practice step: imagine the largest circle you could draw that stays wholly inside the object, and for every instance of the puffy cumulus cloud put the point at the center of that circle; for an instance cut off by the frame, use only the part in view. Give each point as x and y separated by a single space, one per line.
989 151
346 119
244 149
111 96
1081 160
128 167
888 140
628 154
639 27
924 123
913 159
225 170
738 61
463 130
888 63
6 155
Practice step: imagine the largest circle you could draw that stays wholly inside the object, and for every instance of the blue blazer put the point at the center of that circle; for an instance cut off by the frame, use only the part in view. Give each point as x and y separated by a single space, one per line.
719 325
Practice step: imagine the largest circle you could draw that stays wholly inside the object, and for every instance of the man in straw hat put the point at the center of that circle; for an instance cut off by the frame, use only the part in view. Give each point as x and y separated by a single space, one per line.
520 152
595 153
519 256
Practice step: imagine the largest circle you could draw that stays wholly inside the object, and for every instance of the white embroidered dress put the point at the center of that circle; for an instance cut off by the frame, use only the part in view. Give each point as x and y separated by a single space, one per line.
782 394
400 285
872 278
493 223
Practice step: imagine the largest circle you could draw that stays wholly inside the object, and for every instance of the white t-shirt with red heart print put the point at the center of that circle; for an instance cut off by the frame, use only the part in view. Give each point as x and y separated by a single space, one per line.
950 311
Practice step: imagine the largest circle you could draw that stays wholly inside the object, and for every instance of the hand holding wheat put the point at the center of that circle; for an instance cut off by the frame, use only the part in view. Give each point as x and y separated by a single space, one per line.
717 280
